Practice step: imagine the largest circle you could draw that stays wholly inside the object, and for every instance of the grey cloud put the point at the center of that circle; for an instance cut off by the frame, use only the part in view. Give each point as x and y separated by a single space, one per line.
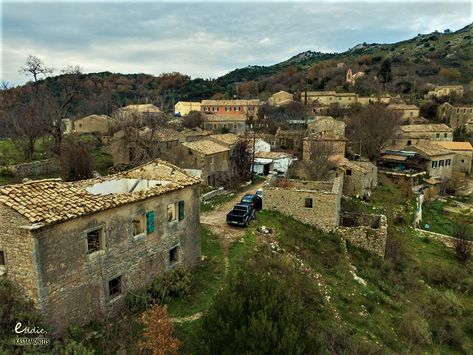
202 38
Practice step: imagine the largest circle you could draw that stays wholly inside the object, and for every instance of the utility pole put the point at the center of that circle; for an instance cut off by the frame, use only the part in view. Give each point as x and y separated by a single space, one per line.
254 153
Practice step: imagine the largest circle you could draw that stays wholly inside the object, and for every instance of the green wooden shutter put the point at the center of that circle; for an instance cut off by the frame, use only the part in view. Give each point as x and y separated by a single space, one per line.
181 210
150 222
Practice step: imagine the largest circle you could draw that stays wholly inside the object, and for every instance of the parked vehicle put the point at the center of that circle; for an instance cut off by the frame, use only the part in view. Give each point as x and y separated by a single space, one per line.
259 193
241 215
253 200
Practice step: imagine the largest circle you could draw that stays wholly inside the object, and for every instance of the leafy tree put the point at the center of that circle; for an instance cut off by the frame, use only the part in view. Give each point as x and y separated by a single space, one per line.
257 313
158 331
385 74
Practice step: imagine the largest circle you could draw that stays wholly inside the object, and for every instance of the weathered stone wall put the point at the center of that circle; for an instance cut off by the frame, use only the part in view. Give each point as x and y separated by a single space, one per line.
18 246
39 167
361 181
368 232
325 210
75 283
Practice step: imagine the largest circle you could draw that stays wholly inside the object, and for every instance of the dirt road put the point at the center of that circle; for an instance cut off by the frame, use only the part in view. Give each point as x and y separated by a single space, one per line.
216 219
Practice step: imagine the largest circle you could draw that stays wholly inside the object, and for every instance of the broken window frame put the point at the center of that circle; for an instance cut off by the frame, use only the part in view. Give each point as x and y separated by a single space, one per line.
117 289
3 258
136 232
173 216
174 256
308 202
101 239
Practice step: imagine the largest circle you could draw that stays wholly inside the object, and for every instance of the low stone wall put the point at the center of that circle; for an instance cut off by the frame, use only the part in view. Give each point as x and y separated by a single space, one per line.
367 232
445 239
39 167
212 194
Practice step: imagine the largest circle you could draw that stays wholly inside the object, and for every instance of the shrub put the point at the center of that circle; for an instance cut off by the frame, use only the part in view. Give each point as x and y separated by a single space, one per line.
463 234
415 328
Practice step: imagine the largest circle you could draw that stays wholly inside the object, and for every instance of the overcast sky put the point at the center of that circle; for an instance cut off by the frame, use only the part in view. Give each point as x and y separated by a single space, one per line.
205 39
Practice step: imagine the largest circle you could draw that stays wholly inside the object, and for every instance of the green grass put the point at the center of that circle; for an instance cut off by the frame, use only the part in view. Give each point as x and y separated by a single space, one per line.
213 203
206 279
440 220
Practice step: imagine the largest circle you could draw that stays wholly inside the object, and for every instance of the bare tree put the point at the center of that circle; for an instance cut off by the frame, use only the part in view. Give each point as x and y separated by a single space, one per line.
372 128
35 67
462 243
76 159
193 119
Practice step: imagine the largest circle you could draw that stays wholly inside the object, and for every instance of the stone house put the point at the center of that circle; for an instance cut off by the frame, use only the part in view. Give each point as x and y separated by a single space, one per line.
327 98
455 116
446 90
438 162
368 100
280 98
325 125
93 124
182 108
209 158
231 107
316 203
319 144
463 156
406 112
235 123
411 135
290 139
77 248
360 178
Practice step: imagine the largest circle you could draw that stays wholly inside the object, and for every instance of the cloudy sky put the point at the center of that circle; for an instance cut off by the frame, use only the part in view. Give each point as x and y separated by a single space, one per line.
205 39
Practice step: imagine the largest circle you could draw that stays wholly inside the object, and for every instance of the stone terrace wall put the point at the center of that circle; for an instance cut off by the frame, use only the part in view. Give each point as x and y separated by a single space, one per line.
39 167
369 231
325 210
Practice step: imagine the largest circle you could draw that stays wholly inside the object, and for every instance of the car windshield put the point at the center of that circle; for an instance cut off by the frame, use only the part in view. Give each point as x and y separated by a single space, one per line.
247 198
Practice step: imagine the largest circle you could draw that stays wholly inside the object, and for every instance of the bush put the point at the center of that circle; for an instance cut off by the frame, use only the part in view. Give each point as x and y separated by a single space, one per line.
174 284
463 234
415 328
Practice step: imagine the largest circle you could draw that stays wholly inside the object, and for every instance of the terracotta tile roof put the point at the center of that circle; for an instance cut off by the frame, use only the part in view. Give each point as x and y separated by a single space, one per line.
225 139
45 202
463 146
430 150
273 155
402 107
440 127
206 147
251 102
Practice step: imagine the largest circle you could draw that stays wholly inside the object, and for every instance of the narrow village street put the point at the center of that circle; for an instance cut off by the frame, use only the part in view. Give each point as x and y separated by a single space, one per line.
215 220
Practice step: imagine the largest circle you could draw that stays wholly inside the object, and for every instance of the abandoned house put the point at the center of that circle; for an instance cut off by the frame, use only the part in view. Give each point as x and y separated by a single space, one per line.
456 116
311 202
406 112
280 98
411 135
77 248
99 124
446 90
360 178
183 108
207 159
290 139
463 154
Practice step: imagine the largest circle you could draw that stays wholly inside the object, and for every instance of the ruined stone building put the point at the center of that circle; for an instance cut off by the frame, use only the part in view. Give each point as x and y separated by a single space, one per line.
411 135
456 116
311 202
99 124
281 98
207 159
463 155
183 108
360 178
326 137
446 90
406 112
77 248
